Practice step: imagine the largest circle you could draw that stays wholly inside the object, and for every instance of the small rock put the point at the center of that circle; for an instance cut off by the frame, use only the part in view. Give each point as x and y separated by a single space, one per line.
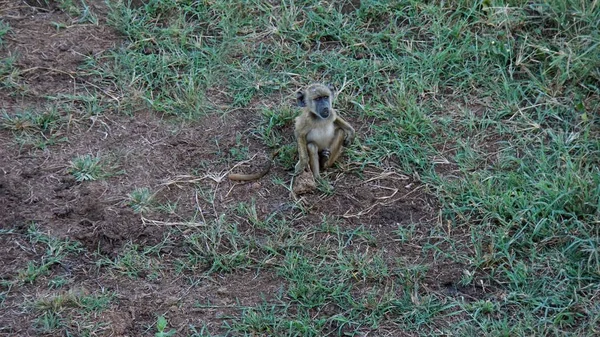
304 183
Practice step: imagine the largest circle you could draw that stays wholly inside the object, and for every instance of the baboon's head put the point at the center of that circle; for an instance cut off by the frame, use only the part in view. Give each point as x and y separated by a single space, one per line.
318 98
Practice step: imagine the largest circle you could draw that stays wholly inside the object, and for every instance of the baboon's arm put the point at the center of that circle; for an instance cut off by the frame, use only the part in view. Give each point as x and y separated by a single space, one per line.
348 129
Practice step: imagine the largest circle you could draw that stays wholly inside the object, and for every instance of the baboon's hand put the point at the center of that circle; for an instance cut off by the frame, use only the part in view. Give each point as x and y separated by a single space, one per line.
300 166
348 137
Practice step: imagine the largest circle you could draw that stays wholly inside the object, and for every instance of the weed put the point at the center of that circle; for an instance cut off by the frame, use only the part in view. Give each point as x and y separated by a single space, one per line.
8 72
161 325
141 200
34 270
59 26
269 131
40 129
220 248
4 29
55 252
86 14
48 322
58 282
87 168
325 187
69 312
69 7
29 121
133 262
238 152
249 212
168 207
406 233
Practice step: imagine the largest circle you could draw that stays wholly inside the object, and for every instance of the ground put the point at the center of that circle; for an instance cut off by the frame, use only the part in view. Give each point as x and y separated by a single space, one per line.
157 230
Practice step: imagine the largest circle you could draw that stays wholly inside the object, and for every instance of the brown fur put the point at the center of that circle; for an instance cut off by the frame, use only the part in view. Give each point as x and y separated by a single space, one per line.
320 138
254 176
248 177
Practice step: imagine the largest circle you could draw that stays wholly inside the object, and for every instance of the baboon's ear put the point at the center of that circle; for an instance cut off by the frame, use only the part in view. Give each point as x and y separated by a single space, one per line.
331 88
300 99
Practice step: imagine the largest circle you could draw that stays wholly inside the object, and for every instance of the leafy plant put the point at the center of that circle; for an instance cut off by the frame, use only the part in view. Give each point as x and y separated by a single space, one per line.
161 325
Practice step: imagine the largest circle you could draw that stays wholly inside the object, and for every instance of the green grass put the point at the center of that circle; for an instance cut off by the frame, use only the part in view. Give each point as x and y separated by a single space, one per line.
56 310
8 72
141 200
490 105
71 312
4 29
38 129
133 262
88 168
55 250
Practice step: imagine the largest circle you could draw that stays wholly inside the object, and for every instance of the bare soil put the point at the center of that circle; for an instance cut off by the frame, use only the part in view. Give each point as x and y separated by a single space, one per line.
173 158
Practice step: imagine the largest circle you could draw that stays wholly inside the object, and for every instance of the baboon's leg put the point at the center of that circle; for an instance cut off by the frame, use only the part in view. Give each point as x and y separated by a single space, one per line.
313 158
302 152
336 147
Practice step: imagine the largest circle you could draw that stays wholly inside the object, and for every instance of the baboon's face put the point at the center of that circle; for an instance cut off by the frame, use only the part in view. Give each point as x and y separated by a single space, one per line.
318 98
322 106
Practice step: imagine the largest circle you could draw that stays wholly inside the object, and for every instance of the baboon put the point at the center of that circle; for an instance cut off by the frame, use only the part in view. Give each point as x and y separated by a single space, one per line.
319 131
254 176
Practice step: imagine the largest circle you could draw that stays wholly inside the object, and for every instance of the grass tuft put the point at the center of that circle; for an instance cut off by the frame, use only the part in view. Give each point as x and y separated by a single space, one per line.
141 200
88 168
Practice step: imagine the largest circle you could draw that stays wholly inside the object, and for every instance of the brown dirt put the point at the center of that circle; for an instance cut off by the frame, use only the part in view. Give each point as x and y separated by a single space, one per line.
168 156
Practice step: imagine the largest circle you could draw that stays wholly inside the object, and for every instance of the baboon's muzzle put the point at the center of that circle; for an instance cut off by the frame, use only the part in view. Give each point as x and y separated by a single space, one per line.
324 112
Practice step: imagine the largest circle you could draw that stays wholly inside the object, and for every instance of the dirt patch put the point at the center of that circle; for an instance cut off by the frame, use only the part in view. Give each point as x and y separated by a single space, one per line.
36 187
48 46
349 6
